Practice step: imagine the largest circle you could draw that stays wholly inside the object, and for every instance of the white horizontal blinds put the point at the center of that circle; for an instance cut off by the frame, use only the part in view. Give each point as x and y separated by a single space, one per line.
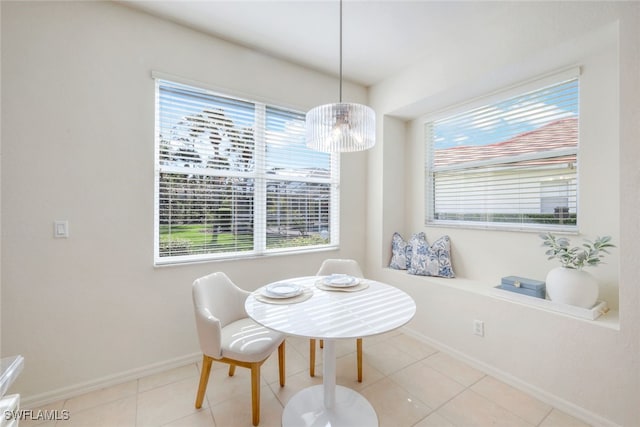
206 183
199 129
287 153
198 214
509 162
234 177
296 212
298 184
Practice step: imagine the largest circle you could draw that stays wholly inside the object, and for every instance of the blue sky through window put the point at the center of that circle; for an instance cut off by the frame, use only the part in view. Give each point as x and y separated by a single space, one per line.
503 120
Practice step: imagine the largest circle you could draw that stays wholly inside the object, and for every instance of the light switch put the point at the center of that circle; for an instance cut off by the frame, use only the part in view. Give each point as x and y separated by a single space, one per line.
60 229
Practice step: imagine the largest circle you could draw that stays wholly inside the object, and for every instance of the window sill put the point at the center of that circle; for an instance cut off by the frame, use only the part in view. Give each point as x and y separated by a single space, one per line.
608 320
241 257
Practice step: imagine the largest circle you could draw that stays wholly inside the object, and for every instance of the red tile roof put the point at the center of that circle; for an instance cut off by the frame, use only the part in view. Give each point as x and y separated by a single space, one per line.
562 133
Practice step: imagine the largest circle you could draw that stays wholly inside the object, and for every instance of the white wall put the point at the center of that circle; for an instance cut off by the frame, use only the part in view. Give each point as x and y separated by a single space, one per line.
587 368
78 144
0 185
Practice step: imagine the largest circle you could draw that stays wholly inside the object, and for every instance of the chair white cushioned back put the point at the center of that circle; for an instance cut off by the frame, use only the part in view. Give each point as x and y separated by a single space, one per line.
217 302
340 266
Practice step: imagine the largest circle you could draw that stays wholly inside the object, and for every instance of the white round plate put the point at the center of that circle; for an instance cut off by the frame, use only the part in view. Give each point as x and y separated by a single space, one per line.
340 281
281 290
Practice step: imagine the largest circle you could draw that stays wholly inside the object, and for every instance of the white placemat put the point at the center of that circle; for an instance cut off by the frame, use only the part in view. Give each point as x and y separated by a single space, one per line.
305 295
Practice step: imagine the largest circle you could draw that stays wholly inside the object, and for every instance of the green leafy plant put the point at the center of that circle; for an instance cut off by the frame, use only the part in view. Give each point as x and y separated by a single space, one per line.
590 254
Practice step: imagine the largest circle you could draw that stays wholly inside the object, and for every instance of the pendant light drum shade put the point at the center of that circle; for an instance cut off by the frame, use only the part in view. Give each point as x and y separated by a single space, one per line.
341 127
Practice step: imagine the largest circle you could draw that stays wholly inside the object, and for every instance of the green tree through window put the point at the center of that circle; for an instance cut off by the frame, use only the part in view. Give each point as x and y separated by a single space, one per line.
234 178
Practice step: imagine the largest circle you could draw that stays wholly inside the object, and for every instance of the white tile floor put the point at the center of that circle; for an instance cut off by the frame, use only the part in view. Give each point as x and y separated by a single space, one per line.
407 382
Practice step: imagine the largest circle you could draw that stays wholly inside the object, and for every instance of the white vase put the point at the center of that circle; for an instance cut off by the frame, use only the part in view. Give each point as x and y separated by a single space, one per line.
573 287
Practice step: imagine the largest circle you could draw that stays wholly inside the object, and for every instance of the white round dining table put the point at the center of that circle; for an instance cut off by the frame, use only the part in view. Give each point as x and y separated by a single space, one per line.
331 315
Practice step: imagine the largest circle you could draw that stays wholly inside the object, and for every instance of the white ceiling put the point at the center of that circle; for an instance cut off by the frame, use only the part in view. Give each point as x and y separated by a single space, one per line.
380 37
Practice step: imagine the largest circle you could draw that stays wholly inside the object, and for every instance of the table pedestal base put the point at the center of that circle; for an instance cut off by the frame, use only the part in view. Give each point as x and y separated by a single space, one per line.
306 408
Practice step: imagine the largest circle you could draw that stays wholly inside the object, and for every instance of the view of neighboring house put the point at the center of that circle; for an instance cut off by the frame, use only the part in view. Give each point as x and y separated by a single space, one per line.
521 165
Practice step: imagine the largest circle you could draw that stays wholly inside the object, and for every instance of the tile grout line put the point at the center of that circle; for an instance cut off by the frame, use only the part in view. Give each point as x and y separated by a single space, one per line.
545 417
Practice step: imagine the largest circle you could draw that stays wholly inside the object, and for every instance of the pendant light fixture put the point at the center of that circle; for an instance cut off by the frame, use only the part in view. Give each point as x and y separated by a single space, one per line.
341 127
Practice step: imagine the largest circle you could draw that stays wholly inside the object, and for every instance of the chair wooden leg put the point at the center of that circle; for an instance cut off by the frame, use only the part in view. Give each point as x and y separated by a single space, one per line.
232 369
204 379
312 357
255 393
321 343
281 350
359 357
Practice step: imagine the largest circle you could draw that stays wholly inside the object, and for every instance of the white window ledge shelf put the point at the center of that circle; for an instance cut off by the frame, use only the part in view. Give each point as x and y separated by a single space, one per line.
607 318
593 313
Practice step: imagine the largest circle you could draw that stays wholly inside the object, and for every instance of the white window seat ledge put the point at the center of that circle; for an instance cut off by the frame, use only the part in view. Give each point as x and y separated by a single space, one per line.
610 319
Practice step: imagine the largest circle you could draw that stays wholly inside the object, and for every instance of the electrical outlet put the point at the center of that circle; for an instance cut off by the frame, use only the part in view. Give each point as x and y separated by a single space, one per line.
478 327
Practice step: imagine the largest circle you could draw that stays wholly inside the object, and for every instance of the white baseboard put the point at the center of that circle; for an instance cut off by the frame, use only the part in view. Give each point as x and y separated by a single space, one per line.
542 395
39 400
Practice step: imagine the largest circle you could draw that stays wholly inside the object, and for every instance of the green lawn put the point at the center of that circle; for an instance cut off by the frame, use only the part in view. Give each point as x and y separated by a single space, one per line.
188 232
195 238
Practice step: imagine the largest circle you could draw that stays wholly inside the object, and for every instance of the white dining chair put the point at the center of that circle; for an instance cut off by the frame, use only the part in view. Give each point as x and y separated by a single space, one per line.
337 266
227 335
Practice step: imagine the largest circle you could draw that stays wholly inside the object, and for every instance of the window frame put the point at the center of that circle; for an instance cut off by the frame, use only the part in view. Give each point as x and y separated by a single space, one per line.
493 98
260 176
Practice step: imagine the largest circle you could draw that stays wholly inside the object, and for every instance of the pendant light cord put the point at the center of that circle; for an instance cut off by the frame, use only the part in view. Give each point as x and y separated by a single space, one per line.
340 51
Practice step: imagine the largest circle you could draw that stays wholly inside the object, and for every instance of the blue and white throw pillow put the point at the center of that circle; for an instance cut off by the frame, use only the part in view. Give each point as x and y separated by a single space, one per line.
413 245
400 253
431 260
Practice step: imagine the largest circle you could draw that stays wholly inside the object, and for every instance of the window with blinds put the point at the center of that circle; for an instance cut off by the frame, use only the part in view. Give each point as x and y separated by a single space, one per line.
234 178
510 163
